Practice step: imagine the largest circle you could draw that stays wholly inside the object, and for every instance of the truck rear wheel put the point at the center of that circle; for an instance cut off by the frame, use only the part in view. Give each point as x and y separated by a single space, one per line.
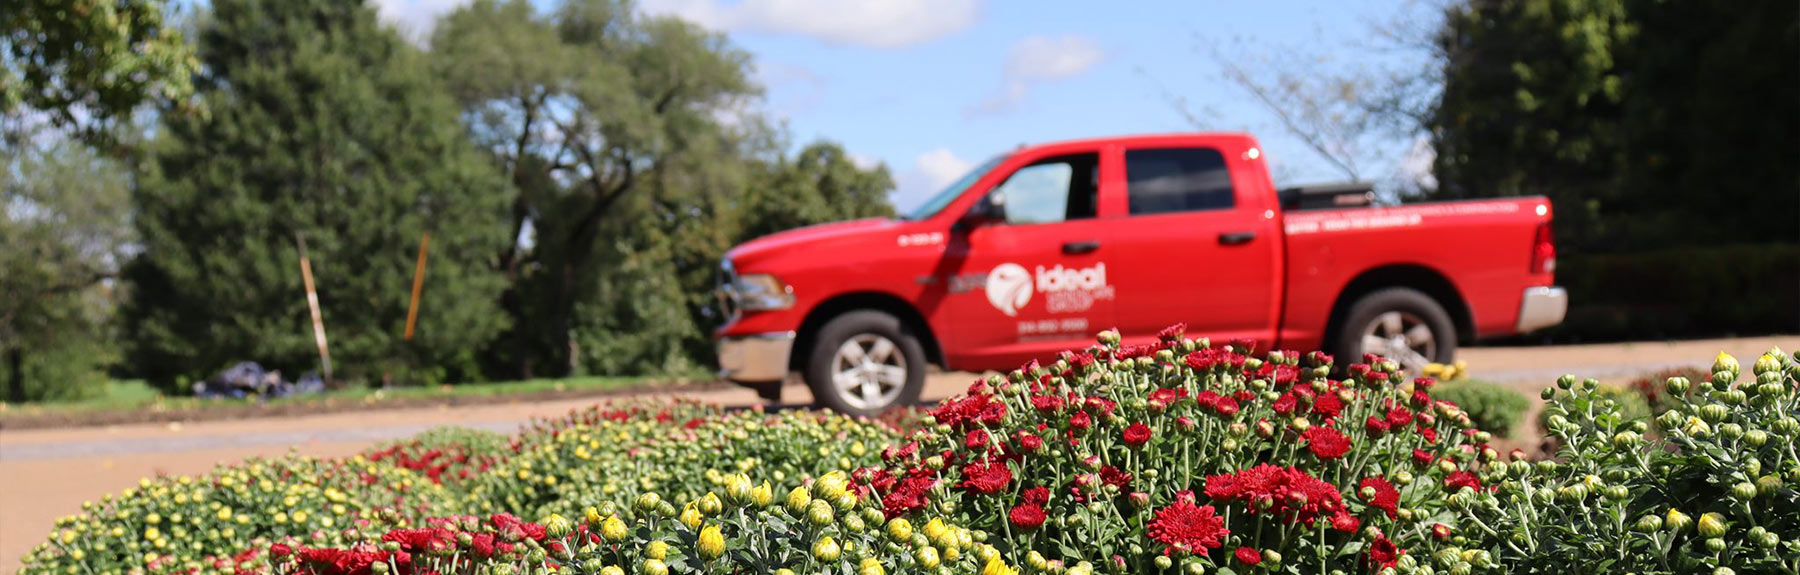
1401 324
864 362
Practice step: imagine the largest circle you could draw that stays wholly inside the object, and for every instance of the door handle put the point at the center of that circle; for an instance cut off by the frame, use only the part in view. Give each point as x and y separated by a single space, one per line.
1236 238
1078 248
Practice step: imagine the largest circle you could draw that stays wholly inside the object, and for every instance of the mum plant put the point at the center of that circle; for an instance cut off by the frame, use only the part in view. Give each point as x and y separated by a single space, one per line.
567 465
169 524
1712 492
1180 456
820 527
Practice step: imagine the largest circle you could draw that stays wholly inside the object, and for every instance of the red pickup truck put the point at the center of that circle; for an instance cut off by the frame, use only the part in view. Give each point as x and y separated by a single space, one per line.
1037 250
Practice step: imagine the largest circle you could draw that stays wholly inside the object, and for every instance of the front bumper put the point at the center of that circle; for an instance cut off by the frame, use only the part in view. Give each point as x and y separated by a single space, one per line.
756 358
1542 307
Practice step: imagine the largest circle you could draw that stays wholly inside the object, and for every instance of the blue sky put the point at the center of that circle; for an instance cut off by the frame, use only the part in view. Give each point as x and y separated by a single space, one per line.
931 87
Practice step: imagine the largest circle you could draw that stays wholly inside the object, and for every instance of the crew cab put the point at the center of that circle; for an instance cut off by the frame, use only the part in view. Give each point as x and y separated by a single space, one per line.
1035 251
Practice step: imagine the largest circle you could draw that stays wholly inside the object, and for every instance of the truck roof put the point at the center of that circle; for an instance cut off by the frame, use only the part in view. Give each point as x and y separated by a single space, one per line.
1137 139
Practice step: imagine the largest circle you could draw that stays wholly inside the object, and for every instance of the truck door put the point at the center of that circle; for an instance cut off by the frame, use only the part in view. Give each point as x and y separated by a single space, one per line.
1037 282
1195 247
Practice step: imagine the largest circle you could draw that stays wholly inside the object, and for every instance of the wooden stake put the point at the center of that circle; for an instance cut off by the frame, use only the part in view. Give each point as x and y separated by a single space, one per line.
412 310
312 303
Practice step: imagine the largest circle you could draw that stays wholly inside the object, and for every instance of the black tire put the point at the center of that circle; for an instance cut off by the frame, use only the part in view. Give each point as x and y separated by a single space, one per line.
863 325
1414 308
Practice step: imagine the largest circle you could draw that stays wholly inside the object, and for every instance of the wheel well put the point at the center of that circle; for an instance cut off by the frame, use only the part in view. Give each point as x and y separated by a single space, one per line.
876 301
1421 278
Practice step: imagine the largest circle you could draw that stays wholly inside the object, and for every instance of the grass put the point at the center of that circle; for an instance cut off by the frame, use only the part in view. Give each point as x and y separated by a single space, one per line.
131 395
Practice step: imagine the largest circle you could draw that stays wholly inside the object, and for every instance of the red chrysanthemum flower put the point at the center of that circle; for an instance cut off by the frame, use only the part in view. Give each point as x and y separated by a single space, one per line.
1115 477
1383 553
1286 403
1380 494
1428 433
1422 457
1168 396
977 439
1026 516
1460 479
1039 495
1206 359
1440 531
986 478
1183 526
1399 417
1080 421
1328 405
1345 522
1030 443
1247 556
1172 333
1137 435
1284 492
1046 403
1376 427
1326 442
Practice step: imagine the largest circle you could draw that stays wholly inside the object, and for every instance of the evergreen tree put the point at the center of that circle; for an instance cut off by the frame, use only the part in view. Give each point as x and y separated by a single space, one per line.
323 124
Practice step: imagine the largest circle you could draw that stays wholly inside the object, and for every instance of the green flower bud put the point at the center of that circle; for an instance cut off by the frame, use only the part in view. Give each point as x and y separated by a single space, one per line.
647 502
1626 440
926 556
1677 521
1548 393
854 523
1723 570
1731 431
1162 562
1715 544
1756 437
1712 525
1744 490
826 550
1649 524
1714 412
1677 386
1767 485
820 514
1724 363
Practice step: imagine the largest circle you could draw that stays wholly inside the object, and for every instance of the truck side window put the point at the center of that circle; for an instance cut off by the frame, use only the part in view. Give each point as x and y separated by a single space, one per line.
1172 180
1052 190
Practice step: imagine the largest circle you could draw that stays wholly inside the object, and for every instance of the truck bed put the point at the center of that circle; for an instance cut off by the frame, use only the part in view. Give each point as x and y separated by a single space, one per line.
1481 248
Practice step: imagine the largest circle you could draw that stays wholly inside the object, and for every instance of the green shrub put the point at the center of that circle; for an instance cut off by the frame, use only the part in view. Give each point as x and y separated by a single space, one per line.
1493 408
1680 292
1630 404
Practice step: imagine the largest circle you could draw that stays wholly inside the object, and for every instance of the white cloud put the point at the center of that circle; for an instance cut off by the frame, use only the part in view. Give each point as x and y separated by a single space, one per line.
415 18
864 162
1039 59
872 23
930 172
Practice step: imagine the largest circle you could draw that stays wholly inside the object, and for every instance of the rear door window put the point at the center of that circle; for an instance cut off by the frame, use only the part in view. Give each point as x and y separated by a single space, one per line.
1171 180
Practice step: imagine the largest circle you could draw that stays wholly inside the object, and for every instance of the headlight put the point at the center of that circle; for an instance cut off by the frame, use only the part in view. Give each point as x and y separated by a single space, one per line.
760 292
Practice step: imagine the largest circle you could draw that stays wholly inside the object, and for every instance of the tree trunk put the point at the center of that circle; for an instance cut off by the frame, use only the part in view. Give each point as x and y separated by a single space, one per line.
15 375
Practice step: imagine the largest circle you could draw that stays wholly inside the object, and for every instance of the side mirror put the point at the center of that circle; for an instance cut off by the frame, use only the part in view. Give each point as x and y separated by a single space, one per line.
991 208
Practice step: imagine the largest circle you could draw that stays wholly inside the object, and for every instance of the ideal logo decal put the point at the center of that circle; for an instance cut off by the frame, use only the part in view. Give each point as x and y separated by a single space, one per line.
1010 287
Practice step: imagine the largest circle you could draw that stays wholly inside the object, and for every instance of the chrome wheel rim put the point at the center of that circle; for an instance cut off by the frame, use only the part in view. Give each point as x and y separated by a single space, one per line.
869 371
1402 337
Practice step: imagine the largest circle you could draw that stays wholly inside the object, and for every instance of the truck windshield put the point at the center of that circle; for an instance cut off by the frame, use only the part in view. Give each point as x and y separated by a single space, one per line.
949 194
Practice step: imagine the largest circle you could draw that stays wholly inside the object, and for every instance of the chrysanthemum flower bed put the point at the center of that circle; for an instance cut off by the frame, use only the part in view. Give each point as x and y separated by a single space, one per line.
1182 455
1174 457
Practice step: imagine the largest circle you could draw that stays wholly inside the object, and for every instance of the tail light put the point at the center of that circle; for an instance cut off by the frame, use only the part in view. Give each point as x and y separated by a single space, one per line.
1543 250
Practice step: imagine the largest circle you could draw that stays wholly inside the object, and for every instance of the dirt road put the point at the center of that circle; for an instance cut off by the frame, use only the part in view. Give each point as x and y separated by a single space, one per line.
45 474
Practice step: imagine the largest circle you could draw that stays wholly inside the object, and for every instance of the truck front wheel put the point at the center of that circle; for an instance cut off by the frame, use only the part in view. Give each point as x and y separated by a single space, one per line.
1401 324
864 362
